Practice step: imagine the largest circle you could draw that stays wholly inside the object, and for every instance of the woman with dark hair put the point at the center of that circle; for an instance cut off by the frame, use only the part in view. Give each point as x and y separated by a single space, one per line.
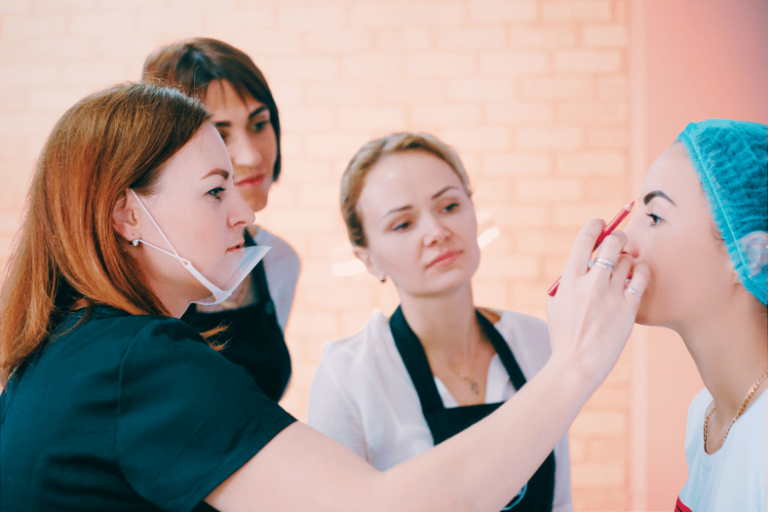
703 232
244 112
111 403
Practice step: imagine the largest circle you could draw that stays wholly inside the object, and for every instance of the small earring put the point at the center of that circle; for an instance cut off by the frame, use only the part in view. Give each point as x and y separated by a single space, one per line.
383 279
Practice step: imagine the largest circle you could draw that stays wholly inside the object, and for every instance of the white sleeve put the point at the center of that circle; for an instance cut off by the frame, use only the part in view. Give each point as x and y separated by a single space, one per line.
281 265
332 413
562 500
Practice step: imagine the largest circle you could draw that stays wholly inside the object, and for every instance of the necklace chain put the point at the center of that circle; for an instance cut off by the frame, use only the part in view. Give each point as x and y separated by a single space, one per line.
473 384
743 406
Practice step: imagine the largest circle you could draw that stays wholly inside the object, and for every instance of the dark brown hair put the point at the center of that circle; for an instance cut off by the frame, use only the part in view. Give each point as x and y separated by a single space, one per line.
193 64
68 254
353 180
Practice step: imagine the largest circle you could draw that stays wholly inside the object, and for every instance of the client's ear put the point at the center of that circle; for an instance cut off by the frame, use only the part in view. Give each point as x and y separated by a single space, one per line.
732 269
124 217
364 255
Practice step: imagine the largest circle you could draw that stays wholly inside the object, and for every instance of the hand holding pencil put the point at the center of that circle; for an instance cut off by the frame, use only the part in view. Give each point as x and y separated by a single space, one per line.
592 316
607 230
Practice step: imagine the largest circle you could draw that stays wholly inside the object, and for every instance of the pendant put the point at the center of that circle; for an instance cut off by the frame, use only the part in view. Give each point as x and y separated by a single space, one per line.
475 387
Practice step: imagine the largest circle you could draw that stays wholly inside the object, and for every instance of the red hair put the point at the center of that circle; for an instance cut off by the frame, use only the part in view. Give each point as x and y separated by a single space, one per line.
68 254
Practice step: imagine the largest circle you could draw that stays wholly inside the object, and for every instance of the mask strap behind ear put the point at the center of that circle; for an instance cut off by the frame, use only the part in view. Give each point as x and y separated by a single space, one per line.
174 253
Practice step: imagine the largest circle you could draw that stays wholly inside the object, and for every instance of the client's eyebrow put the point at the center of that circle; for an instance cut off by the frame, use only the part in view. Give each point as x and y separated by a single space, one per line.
221 172
656 193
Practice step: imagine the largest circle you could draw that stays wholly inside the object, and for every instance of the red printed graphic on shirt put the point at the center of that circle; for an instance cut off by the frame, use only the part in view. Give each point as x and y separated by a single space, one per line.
680 507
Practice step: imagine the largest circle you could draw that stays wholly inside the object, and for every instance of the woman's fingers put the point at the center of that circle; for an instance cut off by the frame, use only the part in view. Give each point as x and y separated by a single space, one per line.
609 252
592 316
634 290
578 261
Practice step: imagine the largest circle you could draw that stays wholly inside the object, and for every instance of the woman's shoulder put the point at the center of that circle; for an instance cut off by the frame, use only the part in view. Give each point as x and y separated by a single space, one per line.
506 321
279 246
281 262
699 405
104 337
527 337
117 326
363 348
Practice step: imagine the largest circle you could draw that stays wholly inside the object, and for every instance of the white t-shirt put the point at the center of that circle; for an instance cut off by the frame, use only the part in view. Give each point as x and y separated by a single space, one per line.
363 396
735 477
281 266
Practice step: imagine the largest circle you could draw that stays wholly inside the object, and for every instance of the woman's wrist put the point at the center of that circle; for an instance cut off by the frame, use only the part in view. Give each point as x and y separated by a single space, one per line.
573 376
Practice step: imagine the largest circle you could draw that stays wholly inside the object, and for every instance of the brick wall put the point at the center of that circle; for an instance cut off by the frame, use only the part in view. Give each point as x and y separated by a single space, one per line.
532 94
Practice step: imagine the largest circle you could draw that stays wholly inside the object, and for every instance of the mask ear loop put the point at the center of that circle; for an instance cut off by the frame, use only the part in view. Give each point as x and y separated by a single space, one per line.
175 254
215 290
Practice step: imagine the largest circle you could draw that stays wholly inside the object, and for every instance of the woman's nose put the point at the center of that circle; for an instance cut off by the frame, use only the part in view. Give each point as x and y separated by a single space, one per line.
243 151
434 230
241 214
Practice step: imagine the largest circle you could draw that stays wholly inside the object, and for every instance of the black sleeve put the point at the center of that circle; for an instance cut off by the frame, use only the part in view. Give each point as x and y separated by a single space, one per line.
188 418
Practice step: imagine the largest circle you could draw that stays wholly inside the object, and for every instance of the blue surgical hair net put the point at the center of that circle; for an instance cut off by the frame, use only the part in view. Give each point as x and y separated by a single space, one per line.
731 160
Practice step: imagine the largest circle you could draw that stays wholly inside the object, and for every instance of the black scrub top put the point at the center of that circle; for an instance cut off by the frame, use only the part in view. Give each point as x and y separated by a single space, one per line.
253 335
127 412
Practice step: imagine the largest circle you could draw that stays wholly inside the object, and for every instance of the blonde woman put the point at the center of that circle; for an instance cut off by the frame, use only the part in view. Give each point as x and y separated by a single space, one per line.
439 364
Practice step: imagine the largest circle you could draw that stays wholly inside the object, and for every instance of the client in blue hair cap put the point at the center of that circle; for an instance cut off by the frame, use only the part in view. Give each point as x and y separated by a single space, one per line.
702 229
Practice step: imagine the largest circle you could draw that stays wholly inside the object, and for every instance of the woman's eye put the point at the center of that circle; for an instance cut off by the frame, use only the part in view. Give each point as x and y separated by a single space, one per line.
223 135
259 126
654 219
216 192
400 226
451 207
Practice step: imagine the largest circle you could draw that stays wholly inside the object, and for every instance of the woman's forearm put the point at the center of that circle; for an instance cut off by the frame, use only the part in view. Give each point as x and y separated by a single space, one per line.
479 469
483 468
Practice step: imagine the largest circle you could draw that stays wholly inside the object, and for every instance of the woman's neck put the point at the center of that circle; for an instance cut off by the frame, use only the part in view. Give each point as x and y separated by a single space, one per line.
730 352
445 324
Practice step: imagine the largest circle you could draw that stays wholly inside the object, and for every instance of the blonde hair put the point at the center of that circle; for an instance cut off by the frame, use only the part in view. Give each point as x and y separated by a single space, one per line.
353 180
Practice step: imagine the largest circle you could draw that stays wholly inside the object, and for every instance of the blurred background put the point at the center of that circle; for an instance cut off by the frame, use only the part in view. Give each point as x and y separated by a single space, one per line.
557 109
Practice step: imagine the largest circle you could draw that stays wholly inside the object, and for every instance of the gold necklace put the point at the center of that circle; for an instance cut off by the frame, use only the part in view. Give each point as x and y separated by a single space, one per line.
473 384
739 412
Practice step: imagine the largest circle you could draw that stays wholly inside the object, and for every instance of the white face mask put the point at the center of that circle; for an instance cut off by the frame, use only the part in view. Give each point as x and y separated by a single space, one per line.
223 276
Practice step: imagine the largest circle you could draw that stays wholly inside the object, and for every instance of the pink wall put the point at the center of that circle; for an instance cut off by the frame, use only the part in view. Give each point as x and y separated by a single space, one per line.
702 59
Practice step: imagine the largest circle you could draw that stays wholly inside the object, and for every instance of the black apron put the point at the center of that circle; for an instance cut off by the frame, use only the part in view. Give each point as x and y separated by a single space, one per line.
254 337
538 493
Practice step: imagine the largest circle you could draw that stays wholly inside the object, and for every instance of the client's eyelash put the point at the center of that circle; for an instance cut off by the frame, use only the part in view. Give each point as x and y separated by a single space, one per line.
216 192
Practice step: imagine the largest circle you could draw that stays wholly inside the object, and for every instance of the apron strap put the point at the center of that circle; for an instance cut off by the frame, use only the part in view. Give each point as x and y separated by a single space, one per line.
416 362
505 353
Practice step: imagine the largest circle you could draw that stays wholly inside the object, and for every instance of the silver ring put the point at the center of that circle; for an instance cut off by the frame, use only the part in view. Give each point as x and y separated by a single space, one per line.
605 262
603 265
633 291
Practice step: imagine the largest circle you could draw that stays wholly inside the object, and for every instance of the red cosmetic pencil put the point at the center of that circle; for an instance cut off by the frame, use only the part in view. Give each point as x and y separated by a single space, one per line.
607 230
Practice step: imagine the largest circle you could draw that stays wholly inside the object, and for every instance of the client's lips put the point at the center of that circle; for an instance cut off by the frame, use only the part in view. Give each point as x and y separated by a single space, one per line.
251 181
